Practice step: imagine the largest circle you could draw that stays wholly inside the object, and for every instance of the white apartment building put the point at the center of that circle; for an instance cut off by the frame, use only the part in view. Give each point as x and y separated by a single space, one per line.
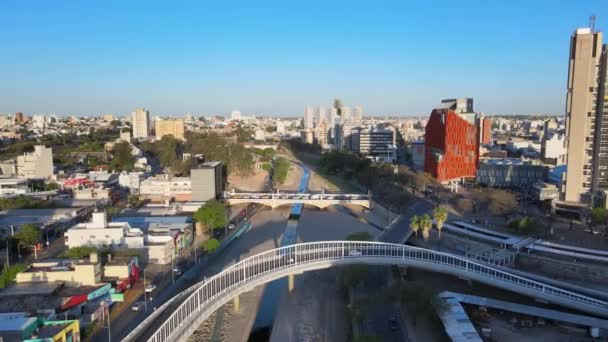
553 147
131 181
140 123
99 232
164 187
37 164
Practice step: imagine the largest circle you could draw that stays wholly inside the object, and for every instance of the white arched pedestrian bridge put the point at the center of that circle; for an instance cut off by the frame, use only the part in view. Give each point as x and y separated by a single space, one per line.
204 298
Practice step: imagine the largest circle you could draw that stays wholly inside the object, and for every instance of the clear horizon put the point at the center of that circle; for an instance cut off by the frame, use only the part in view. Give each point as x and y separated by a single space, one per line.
274 59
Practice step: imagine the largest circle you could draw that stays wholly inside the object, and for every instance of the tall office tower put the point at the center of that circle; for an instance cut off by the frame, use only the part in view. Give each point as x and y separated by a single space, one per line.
346 114
451 141
358 113
307 131
308 117
174 127
600 152
333 120
140 122
338 106
321 115
581 125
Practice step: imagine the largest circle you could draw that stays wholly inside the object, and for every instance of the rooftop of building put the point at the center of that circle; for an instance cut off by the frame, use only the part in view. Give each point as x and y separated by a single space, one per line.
49 330
13 181
508 161
16 323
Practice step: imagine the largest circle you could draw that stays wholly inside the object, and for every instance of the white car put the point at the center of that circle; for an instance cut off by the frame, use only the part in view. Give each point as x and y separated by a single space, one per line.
314 197
150 288
354 252
231 226
137 306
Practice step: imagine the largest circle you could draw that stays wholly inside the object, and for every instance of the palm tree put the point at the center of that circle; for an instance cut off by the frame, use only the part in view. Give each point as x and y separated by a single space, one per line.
426 223
440 214
415 224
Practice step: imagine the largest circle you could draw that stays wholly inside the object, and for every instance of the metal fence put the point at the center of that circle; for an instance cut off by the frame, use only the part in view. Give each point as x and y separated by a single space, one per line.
212 293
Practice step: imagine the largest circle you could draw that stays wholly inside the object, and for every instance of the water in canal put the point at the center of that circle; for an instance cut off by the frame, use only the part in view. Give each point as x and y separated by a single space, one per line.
264 320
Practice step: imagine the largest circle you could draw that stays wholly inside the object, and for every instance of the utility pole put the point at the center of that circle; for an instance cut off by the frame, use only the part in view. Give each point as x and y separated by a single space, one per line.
172 270
145 294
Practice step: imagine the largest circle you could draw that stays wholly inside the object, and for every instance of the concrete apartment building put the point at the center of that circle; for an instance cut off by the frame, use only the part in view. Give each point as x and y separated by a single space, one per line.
165 187
99 232
583 129
174 127
140 123
207 181
37 164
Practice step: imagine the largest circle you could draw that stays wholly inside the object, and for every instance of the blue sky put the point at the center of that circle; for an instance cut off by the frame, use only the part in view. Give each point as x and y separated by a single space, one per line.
274 58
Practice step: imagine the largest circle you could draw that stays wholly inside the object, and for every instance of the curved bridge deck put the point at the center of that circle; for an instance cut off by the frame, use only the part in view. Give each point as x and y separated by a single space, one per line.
207 296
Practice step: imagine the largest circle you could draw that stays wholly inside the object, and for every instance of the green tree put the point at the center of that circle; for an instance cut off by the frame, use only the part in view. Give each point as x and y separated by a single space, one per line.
133 200
8 274
166 149
212 215
359 236
415 224
599 216
280 170
426 223
440 214
78 252
29 235
122 159
210 245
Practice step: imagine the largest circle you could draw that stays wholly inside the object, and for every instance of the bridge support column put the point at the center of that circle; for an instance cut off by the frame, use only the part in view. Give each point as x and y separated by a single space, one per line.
291 282
236 304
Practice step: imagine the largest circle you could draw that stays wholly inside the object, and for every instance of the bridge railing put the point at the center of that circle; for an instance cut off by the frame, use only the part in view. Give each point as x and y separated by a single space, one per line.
211 293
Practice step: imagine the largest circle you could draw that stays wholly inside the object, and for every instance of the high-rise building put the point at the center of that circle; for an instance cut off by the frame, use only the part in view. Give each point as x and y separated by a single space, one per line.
600 152
19 118
358 113
321 115
37 164
581 117
308 117
140 123
375 142
485 125
174 127
452 141
108 117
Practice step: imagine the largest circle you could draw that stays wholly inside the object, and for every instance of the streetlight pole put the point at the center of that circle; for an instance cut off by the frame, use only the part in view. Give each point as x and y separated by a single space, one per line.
172 270
145 294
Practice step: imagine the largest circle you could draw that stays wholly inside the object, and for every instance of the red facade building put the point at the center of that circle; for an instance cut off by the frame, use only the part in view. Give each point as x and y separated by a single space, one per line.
486 131
451 145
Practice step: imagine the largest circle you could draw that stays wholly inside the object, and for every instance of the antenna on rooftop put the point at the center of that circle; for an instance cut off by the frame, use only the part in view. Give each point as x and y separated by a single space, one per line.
592 22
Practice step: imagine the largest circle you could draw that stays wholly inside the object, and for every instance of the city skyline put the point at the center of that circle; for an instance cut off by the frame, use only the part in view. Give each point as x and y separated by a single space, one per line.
276 59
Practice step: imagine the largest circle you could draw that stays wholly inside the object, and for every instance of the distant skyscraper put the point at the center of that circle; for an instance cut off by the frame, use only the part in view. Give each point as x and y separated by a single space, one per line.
321 115
140 122
338 106
308 117
582 126
358 113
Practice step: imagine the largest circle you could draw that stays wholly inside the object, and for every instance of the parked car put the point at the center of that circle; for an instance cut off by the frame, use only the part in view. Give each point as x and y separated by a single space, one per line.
231 226
177 271
150 288
137 306
392 323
